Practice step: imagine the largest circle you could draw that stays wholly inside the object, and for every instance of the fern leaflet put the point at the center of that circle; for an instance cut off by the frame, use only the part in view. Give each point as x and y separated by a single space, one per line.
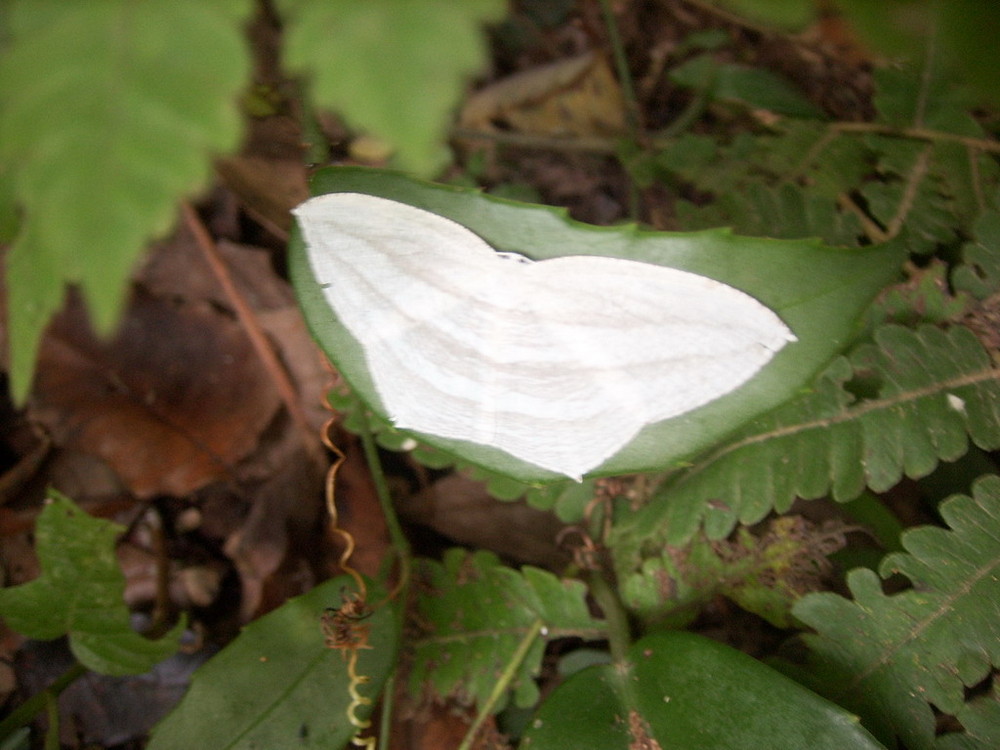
892 656
915 398
474 612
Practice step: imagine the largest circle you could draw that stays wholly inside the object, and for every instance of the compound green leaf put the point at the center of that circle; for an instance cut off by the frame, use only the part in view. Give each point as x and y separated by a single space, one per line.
818 291
279 686
395 69
979 273
753 87
891 657
981 719
475 613
80 593
765 573
111 110
930 391
681 691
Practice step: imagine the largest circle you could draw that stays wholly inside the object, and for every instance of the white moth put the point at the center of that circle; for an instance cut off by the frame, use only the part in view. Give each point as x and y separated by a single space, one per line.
559 363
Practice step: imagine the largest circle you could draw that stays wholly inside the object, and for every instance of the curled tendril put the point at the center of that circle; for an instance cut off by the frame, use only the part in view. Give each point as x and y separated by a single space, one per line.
344 627
331 504
358 700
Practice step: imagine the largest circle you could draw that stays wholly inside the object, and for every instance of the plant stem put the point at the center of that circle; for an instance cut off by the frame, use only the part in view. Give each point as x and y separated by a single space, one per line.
632 120
402 546
23 714
52 712
503 684
385 721
619 633
624 74
399 540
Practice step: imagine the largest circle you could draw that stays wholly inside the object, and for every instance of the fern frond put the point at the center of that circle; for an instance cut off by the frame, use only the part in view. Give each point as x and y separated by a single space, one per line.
784 212
891 657
981 719
979 274
925 392
474 612
926 297
911 198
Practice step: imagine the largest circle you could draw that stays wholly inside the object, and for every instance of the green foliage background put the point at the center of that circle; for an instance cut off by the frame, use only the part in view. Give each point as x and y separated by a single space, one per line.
111 110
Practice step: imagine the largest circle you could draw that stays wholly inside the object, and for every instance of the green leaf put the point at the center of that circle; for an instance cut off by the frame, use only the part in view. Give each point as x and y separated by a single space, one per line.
979 273
753 87
788 14
765 573
279 686
925 298
961 29
475 612
912 199
819 292
786 212
832 162
111 110
929 189
890 657
931 390
981 719
80 593
686 692
393 68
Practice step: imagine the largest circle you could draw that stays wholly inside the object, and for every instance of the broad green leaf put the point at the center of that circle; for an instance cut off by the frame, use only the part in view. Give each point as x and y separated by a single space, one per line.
819 292
111 111
474 613
279 686
395 69
933 390
80 593
685 692
891 657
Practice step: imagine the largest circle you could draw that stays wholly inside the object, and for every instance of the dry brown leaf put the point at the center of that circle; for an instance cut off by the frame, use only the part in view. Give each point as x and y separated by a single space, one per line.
178 269
461 509
171 403
577 96
267 188
282 525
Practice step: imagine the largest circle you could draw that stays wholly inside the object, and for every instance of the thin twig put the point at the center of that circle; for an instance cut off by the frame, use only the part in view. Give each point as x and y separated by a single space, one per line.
597 145
919 134
255 333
